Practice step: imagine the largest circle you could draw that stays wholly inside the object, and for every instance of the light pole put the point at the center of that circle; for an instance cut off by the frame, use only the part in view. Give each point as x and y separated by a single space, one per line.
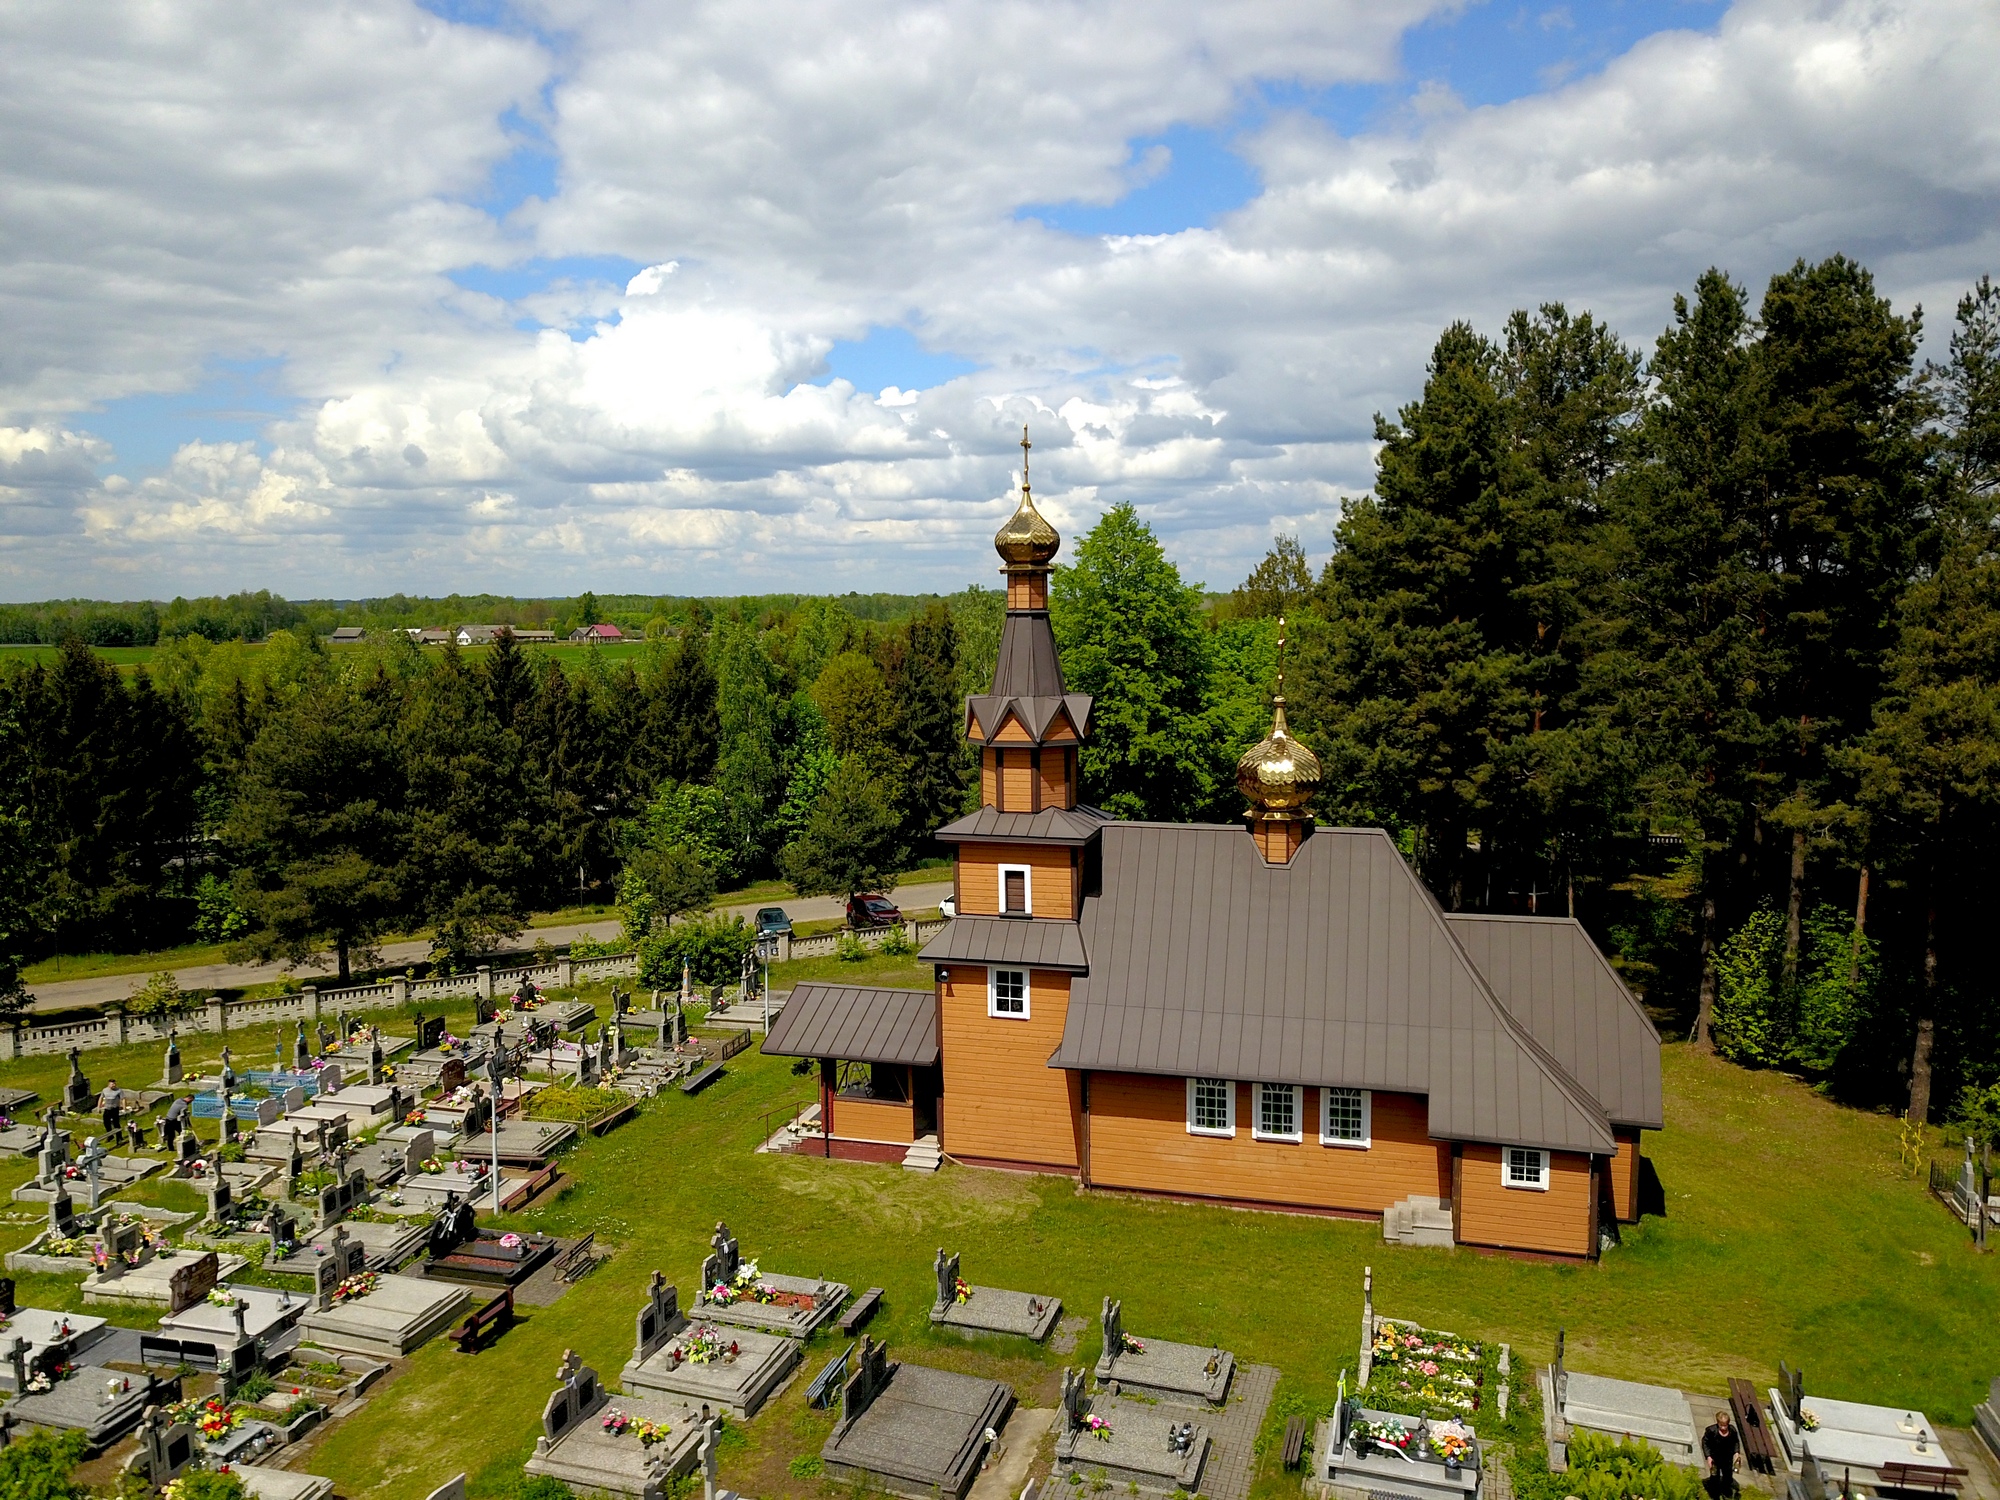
493 1111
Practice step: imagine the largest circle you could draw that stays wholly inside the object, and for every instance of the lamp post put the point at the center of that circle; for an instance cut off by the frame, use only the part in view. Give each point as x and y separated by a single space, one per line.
493 1113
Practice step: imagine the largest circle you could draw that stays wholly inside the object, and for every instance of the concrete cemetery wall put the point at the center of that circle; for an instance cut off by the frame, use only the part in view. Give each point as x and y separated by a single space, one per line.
1490 1213
1139 1139
1002 1102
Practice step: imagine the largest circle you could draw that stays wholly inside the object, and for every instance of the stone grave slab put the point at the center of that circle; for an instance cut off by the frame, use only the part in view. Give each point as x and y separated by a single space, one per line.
160 1281
523 1143
364 1104
399 1316
1855 1434
732 1369
737 1292
23 1140
61 1335
267 1312
246 1441
387 1243
102 1404
1340 1458
486 1259
12 1099
592 1440
1159 1367
282 1484
914 1431
1621 1408
1157 1449
983 1309
462 1180
113 1173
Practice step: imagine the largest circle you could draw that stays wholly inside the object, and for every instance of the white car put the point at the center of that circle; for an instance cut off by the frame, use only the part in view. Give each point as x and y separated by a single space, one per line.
949 906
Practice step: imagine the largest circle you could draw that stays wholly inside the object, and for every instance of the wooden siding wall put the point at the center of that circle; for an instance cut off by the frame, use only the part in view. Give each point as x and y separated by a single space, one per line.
1139 1139
1490 1213
1002 1101
1017 783
872 1120
989 779
1052 887
1058 777
1625 1176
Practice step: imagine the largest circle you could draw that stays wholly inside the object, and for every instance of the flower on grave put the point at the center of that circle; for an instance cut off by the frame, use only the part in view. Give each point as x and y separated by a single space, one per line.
510 1241
651 1432
1450 1446
616 1422
1132 1345
433 1166
212 1418
98 1254
1808 1420
960 1292
701 1345
358 1285
1427 1367
414 1117
221 1298
1099 1428
747 1273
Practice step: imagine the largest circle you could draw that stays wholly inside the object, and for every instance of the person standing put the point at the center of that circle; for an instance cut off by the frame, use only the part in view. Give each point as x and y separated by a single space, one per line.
110 1104
1720 1445
178 1114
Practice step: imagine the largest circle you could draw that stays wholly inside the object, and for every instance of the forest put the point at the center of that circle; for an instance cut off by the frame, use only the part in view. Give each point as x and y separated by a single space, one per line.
1699 644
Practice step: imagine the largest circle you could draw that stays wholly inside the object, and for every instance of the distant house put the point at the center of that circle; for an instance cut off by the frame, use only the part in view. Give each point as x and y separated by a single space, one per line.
478 635
535 637
344 634
597 633
429 635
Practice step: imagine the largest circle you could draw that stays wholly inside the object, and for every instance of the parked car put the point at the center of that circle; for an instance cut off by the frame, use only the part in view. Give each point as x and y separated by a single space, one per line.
871 910
948 907
772 922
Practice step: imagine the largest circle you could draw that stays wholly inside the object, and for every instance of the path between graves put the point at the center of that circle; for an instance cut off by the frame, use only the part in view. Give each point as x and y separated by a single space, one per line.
1233 1460
106 989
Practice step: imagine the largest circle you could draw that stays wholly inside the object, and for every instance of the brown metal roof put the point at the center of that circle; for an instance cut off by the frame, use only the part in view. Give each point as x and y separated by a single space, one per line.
857 1023
1028 680
1033 942
1336 969
1548 972
1052 825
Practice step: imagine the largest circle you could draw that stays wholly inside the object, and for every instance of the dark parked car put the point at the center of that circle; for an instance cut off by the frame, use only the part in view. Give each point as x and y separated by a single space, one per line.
871 910
772 921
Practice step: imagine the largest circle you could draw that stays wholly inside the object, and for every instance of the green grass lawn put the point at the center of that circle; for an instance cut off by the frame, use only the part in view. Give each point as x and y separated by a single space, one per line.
1789 1234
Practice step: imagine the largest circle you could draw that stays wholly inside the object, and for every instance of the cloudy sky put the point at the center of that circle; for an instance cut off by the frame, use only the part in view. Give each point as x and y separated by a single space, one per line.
539 295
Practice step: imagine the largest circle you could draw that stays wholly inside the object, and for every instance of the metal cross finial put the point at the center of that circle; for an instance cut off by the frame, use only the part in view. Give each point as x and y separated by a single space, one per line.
1025 446
1281 659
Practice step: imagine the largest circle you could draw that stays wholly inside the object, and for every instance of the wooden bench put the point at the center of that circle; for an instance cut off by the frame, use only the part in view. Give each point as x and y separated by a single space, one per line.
1295 1442
524 1188
1941 1479
578 1261
1760 1449
703 1079
861 1311
479 1328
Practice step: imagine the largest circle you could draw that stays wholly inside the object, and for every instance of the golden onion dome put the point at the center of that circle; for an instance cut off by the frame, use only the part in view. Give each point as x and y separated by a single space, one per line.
1027 540
1278 773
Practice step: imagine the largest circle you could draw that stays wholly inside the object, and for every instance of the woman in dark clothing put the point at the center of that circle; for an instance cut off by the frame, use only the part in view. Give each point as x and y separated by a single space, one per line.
1719 1446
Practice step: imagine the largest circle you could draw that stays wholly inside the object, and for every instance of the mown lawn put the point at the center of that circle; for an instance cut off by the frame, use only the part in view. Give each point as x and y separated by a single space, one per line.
1789 1233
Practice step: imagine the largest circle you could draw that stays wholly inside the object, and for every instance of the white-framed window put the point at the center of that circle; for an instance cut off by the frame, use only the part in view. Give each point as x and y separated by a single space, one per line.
1525 1167
1346 1118
1277 1112
1211 1106
1017 891
1007 993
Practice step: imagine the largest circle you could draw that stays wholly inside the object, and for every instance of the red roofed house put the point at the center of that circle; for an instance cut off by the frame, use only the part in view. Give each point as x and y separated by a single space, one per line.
596 633
1272 1015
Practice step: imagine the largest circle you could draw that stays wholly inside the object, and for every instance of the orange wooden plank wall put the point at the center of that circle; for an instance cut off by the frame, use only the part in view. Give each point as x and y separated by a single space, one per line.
1139 1139
872 1120
979 881
1625 1176
1490 1213
1001 1099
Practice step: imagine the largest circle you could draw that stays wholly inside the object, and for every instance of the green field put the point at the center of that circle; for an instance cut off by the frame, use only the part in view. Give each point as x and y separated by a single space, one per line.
1790 1233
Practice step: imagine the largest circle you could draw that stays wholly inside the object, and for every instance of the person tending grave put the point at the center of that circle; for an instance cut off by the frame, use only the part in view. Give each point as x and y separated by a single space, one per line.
737 1292
912 1430
1157 1367
984 1309
725 1367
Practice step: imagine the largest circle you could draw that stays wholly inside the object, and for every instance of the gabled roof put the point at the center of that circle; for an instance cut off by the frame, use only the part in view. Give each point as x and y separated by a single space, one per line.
1027 682
1034 942
1338 968
1052 825
857 1023
986 714
1554 979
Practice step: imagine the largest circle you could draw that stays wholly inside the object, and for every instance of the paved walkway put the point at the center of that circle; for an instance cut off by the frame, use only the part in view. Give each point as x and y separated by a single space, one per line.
1232 1462
104 989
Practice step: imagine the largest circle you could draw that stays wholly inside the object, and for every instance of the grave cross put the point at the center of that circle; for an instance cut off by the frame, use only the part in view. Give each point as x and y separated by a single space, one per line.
1113 1323
708 1459
173 1058
228 1070
946 1270
93 1157
17 1356
1074 1401
76 1093
301 1049
62 1220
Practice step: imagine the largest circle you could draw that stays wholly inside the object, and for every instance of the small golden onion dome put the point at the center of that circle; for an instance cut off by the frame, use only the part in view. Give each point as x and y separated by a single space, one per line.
1027 540
1278 774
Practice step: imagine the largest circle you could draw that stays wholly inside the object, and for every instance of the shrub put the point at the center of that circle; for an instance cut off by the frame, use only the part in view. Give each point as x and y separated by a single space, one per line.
590 947
807 1466
39 1466
161 995
1977 1113
714 948
849 949
897 944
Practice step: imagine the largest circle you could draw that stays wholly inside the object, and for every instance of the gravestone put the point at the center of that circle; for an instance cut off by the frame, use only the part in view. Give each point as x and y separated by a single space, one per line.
1075 1402
62 1217
301 1049
284 1235
429 1032
125 1248
190 1283
330 1079
92 1161
173 1073
77 1093
339 1199
228 1112
293 1098
135 1135
374 1061
658 1318
228 1070
451 1489
451 1075
945 1268
187 1149
454 1225
165 1447
723 1261
54 1155
221 1197
709 1459
417 1150
327 1037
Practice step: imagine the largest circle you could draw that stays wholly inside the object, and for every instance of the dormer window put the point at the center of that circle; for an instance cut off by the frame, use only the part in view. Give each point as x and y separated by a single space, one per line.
1017 895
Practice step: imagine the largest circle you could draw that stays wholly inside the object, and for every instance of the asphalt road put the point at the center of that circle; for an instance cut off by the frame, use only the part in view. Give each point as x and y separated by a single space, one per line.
103 989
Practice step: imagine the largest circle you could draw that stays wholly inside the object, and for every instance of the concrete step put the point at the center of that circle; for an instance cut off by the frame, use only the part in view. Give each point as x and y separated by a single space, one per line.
924 1156
1417 1220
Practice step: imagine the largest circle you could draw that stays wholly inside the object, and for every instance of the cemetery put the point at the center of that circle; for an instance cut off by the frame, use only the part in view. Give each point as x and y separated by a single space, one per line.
983 1309
737 1292
915 1431
734 1370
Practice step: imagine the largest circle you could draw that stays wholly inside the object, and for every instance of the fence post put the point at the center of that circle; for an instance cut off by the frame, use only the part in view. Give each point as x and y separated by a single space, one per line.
563 972
120 1024
311 992
14 1038
482 982
399 991
218 1015
784 947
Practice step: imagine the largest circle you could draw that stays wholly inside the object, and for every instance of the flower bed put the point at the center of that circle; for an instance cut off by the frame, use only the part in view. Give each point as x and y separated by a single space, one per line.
214 1418
1425 1373
571 1104
358 1285
703 1344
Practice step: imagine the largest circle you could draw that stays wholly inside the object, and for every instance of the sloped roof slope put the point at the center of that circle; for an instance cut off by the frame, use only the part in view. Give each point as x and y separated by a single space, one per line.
1549 973
857 1023
1052 825
1338 968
